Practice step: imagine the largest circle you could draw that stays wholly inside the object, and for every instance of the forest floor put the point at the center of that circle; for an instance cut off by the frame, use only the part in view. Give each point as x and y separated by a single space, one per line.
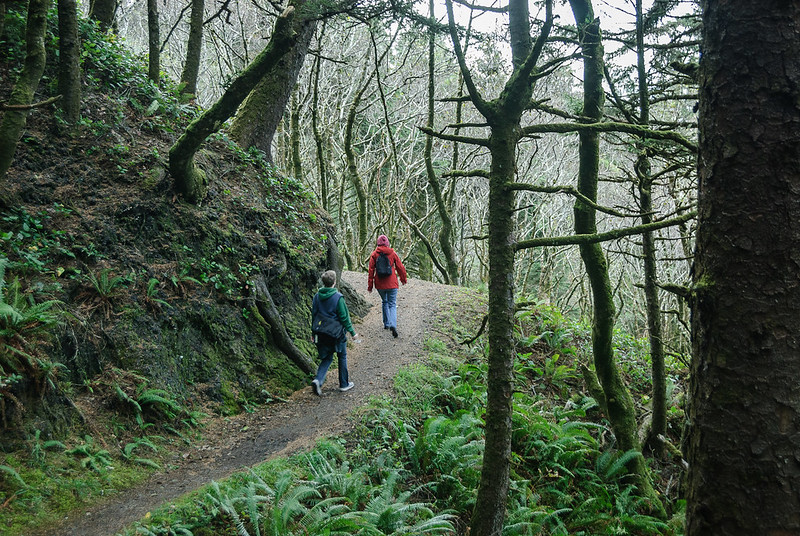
230 444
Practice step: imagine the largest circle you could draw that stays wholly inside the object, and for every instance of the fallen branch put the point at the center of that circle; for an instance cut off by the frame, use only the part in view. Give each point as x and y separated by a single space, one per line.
22 107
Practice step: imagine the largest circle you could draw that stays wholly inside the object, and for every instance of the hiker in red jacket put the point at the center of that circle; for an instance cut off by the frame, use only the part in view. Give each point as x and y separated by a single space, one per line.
384 268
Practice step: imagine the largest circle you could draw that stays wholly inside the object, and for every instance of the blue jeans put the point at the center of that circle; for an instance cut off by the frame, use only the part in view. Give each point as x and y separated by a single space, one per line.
326 351
389 305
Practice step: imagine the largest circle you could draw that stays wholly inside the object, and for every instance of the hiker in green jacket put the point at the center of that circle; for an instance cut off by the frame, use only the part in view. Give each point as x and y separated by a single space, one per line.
330 323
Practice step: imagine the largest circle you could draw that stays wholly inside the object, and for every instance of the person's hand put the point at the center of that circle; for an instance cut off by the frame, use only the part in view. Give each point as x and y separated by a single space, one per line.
357 338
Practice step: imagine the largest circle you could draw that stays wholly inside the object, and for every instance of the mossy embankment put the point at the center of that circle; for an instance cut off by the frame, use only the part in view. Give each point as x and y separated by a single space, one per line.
138 279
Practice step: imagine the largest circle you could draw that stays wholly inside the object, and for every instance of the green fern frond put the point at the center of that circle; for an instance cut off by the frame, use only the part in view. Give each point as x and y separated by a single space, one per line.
53 445
14 475
125 397
610 465
147 462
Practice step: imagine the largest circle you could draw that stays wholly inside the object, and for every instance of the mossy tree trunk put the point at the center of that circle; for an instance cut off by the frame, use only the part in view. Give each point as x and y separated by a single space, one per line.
194 49
191 181
658 424
69 60
619 403
503 116
446 230
319 141
257 119
745 396
297 161
266 309
14 119
359 186
104 12
153 42
2 18
490 505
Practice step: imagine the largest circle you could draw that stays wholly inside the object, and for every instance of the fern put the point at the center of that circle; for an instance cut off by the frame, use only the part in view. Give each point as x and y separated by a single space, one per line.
106 286
611 465
159 402
147 462
408 445
125 397
91 457
14 475
127 451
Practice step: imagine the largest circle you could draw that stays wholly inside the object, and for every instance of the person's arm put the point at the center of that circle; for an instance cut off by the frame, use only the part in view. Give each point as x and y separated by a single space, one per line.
371 272
344 317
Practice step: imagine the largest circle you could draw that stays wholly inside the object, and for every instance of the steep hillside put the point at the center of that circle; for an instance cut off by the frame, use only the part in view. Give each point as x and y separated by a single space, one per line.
145 282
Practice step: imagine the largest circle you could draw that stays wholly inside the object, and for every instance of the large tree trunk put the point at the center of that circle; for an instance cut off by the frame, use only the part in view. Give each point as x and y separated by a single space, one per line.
658 424
190 180
619 404
104 12
260 114
69 60
490 505
22 95
153 42
503 116
194 49
744 471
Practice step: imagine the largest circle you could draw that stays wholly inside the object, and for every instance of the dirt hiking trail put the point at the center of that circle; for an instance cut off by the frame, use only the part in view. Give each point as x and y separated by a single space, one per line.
280 429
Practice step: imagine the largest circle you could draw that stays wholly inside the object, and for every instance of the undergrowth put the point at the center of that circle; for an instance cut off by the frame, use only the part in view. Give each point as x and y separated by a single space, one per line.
412 465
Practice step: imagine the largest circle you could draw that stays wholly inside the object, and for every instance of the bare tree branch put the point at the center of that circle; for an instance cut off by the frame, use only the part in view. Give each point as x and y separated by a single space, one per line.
602 237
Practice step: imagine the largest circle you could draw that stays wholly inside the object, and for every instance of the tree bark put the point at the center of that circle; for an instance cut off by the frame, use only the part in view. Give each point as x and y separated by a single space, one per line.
105 13
191 181
69 60
359 186
258 117
153 42
194 49
446 231
621 412
2 18
319 143
294 137
745 397
658 424
503 116
35 58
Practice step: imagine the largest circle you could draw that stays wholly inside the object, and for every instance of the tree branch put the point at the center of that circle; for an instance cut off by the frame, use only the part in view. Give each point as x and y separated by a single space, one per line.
483 142
467 173
602 237
474 94
571 191
20 107
562 128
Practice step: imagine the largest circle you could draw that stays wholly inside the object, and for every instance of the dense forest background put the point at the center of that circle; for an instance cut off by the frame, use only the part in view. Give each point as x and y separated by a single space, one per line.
543 151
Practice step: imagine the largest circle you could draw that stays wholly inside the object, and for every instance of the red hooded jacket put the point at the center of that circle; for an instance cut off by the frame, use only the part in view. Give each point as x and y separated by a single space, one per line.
383 283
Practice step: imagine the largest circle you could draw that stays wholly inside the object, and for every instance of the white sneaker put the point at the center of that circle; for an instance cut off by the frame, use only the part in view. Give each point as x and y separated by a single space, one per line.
317 388
348 387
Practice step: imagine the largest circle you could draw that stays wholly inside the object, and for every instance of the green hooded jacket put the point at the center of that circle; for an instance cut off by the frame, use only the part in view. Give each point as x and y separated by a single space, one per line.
341 310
